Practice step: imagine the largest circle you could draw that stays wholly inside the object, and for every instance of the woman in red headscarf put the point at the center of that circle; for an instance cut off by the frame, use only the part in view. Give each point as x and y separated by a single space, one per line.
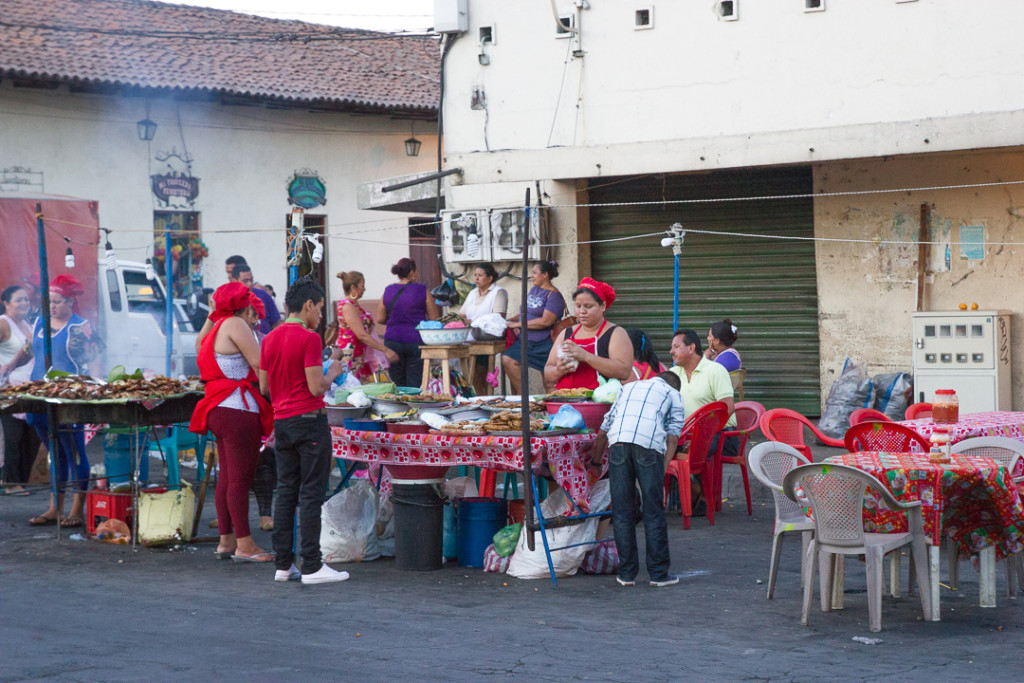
236 413
594 347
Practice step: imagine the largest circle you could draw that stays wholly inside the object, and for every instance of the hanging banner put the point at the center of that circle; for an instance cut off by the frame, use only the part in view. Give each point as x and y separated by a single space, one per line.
171 185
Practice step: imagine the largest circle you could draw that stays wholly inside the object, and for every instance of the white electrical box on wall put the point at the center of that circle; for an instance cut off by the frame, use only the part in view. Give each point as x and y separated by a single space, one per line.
451 16
967 351
506 229
463 238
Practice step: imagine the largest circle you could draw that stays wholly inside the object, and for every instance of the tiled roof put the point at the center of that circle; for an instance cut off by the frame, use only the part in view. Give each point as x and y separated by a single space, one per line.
139 44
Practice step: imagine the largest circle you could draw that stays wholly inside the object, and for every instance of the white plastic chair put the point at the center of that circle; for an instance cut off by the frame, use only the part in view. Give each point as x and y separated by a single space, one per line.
770 462
836 495
1006 452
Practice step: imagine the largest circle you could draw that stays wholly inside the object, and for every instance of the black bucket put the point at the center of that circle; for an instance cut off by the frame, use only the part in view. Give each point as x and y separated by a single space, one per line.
419 526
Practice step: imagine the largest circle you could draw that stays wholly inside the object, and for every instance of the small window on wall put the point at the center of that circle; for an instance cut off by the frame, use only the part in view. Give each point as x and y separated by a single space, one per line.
729 10
814 5
568 20
643 18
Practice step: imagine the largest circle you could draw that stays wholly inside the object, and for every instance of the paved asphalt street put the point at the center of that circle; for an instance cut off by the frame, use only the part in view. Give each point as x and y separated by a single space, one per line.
86 611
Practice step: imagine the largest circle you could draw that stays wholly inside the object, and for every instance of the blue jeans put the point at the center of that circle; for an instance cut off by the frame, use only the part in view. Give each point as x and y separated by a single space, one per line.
70 458
629 464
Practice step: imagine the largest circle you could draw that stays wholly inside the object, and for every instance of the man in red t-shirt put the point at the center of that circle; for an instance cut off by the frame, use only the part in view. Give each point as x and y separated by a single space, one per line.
291 371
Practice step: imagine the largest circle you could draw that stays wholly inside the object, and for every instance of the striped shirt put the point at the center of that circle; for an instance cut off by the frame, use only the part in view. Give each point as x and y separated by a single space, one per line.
645 413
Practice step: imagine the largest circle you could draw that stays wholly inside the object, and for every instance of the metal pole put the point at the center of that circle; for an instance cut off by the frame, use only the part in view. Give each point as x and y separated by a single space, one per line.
675 297
169 295
44 314
524 379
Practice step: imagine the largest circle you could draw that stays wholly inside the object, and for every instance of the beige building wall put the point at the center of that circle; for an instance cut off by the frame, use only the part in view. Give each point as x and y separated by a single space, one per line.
867 291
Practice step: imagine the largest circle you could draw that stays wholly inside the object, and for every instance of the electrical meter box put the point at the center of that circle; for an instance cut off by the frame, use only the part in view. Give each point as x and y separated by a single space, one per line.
462 237
506 229
968 351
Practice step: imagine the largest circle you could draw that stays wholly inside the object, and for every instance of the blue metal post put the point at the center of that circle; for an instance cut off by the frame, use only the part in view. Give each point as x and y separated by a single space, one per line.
51 411
169 294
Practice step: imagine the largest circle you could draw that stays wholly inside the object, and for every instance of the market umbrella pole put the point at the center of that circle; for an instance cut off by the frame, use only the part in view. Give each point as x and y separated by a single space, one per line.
51 411
524 379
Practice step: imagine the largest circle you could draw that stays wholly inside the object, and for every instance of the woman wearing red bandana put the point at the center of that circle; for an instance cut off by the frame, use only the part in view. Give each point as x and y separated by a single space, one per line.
593 347
235 412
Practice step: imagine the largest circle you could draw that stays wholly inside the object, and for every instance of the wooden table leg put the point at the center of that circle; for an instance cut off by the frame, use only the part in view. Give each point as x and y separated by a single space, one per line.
446 377
987 578
426 374
933 578
469 365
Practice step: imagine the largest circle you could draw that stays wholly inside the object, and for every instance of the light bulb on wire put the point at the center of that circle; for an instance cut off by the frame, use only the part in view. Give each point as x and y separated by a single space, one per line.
69 257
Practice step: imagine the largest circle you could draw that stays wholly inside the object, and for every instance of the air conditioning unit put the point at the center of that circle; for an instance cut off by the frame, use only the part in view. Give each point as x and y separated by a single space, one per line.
506 228
462 237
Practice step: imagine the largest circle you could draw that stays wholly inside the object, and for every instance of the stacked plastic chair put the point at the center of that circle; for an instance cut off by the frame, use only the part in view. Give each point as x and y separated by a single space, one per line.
868 415
700 429
748 415
885 437
787 426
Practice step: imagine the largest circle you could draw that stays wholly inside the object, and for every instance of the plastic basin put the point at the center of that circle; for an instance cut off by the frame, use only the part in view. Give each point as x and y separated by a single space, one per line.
593 413
336 415
455 335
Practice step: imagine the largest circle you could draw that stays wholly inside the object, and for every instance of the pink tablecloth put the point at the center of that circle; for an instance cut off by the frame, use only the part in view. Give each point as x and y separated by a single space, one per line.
565 455
996 423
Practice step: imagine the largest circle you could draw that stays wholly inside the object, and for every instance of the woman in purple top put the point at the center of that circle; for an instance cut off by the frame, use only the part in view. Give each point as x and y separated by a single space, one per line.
721 338
544 308
404 305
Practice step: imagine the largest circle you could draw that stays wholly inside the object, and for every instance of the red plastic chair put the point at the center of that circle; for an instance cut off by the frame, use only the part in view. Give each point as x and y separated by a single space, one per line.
918 410
868 415
700 429
887 437
787 426
748 415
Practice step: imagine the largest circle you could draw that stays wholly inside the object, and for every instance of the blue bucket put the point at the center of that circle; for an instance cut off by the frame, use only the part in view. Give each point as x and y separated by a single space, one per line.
478 520
365 425
449 546
117 458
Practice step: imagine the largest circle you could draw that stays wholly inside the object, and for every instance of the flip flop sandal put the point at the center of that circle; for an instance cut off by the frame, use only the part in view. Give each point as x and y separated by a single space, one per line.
18 493
222 554
71 522
42 521
258 557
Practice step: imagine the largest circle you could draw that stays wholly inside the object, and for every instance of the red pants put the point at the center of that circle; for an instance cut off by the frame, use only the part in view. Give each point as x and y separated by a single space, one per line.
238 450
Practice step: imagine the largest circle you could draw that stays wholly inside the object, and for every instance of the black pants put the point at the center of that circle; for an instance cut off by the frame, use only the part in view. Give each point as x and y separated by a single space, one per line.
407 371
21 443
265 481
303 467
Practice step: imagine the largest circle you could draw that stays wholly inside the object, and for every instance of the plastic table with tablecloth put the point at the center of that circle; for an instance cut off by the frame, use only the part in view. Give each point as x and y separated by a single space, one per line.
566 456
971 500
994 423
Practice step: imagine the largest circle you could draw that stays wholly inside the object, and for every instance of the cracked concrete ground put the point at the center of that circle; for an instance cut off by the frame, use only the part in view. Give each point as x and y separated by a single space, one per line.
84 611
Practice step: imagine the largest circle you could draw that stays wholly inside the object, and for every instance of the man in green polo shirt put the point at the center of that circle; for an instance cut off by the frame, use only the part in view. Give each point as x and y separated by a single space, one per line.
702 381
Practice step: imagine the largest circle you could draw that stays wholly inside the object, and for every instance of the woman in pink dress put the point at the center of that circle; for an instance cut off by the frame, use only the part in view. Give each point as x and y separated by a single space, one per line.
355 329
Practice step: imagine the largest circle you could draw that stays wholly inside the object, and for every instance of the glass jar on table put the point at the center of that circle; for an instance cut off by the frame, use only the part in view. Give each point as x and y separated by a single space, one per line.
940 445
945 407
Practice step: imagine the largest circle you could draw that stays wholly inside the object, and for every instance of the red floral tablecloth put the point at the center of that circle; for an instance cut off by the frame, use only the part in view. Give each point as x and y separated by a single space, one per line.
970 499
996 423
564 455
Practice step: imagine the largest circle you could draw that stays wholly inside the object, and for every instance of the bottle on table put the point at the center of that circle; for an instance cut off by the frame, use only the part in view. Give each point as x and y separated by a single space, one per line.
945 407
940 445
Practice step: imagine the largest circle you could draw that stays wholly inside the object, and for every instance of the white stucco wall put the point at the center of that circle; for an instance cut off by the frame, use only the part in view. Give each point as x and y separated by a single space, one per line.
779 85
87 146
867 291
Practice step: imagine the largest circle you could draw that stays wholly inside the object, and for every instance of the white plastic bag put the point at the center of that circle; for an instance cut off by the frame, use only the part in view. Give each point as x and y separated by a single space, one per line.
460 487
348 525
608 391
491 324
534 565
359 400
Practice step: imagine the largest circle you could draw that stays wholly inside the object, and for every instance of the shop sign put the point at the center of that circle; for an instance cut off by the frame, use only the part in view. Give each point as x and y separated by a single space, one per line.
307 189
170 185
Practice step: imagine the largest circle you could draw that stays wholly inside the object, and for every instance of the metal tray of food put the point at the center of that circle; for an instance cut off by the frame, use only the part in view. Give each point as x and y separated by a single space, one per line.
561 431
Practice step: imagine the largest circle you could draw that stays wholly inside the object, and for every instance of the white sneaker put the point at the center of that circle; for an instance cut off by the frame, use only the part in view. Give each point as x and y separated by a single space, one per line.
290 574
324 575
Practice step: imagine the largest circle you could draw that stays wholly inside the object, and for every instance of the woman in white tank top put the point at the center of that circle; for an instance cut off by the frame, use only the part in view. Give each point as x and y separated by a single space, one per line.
20 446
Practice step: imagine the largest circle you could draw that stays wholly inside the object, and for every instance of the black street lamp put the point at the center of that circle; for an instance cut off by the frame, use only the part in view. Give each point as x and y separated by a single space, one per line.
147 129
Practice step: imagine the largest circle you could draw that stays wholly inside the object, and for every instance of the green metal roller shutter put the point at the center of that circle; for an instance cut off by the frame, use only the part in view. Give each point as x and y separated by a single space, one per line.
767 287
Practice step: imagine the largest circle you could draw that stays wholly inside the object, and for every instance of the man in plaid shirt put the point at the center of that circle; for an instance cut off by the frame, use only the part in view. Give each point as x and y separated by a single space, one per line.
643 428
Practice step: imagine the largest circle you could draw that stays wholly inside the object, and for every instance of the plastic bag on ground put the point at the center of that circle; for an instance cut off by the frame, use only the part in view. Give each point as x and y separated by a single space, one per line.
493 562
534 565
894 391
348 525
506 539
852 390
602 559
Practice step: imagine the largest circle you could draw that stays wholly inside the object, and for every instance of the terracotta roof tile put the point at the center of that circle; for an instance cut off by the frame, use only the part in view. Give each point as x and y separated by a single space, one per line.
143 44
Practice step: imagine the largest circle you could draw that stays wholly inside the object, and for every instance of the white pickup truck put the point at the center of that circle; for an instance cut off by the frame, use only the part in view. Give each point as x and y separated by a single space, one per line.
132 323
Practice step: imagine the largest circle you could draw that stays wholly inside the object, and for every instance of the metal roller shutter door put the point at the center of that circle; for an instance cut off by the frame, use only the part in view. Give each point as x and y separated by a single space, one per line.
768 287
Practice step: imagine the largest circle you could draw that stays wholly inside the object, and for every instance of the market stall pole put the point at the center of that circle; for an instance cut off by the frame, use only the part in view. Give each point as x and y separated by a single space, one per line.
169 300
44 280
529 520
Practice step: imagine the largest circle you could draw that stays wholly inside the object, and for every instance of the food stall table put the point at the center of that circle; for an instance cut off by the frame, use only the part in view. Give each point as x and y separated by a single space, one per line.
445 353
971 500
565 455
134 414
994 423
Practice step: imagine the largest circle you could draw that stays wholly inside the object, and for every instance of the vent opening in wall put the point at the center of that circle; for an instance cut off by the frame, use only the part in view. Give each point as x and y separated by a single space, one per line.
487 35
814 5
643 18
729 10
568 20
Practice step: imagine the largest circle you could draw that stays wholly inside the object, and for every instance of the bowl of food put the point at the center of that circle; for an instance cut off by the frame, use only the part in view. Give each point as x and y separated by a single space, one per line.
444 337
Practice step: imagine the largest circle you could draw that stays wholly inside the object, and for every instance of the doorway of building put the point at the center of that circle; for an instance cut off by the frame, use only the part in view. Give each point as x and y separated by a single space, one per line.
187 250
314 224
424 251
